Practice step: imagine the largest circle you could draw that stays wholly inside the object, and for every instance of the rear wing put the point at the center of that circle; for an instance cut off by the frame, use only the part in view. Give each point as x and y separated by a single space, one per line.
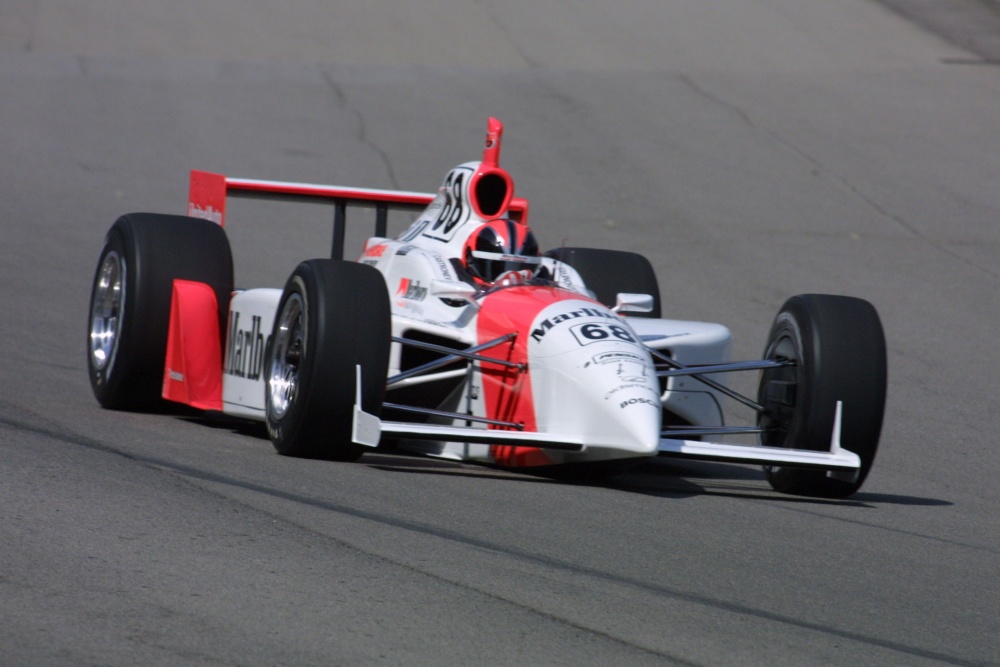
208 193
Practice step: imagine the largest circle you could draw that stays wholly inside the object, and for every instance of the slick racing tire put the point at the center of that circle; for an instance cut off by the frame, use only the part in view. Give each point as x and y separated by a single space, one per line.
130 301
611 272
838 347
333 317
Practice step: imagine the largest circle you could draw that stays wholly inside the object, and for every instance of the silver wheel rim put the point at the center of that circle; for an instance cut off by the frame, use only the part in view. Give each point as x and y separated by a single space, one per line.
106 312
288 346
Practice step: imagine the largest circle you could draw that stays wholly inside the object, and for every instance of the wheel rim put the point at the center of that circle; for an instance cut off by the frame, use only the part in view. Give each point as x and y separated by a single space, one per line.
105 314
778 392
288 344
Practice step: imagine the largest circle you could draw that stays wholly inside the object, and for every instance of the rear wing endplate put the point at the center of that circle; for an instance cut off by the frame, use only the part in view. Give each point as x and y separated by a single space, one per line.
208 193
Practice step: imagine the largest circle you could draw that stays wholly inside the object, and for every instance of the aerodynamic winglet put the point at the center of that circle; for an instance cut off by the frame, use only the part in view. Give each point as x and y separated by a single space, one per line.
849 476
366 428
841 463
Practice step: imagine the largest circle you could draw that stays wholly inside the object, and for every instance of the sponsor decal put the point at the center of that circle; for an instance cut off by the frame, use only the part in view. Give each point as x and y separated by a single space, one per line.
206 213
562 277
245 356
626 362
411 289
638 401
444 269
632 370
647 338
632 385
548 323
632 375
618 356
376 250
405 249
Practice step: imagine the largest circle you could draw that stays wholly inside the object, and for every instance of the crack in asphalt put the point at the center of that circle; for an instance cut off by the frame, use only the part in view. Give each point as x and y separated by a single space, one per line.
508 35
839 179
343 102
191 473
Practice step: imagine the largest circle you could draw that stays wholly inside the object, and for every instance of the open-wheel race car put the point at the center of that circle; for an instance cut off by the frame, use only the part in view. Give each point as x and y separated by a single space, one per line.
458 338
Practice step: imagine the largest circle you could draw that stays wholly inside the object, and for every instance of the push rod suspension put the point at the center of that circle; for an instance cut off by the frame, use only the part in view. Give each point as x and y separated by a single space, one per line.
452 356
697 374
454 415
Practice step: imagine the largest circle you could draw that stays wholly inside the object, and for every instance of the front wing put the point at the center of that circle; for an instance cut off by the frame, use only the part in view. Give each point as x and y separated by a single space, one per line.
369 429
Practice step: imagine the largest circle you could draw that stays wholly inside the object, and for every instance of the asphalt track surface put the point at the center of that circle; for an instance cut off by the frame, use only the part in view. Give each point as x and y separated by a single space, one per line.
752 150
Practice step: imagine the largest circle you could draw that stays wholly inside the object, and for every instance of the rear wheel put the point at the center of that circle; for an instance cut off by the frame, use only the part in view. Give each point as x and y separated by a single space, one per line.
611 272
838 347
333 317
130 300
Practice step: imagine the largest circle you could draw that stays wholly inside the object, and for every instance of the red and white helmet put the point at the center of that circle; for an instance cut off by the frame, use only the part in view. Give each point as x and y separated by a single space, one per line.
498 247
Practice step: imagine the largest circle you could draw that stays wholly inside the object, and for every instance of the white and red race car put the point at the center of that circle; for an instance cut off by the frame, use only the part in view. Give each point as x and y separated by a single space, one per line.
458 339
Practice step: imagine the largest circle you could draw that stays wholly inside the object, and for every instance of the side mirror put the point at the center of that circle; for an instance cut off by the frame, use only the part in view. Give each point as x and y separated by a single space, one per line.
626 302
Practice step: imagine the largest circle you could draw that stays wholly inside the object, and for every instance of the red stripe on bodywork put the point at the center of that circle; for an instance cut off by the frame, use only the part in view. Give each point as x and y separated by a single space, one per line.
507 391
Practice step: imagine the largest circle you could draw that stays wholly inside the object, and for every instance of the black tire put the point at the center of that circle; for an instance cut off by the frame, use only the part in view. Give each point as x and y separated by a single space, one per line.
838 345
333 316
130 301
611 272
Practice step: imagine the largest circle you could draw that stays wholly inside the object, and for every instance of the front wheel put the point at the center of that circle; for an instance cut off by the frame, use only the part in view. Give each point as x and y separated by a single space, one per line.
838 349
333 317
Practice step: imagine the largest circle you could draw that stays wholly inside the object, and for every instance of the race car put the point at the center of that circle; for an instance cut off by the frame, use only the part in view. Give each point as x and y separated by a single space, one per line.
458 338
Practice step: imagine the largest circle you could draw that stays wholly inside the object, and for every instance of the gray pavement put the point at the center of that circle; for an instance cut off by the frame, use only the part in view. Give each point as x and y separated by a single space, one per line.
752 150
973 25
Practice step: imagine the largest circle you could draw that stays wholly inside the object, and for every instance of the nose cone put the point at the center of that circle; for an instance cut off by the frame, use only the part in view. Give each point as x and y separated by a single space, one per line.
592 377
608 411
638 423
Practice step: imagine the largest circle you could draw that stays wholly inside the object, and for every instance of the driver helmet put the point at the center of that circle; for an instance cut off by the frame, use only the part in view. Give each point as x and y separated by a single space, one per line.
499 247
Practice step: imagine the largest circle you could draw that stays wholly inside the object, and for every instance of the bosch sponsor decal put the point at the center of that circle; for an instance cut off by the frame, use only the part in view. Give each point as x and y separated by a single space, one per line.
411 289
245 356
539 332
638 401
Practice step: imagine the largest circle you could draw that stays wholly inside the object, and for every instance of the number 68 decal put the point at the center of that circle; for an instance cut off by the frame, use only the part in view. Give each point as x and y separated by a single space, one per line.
598 332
